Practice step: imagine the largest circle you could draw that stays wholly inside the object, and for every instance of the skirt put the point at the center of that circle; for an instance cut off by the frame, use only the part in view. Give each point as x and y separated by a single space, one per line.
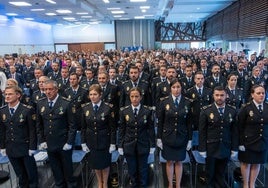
173 153
99 159
252 157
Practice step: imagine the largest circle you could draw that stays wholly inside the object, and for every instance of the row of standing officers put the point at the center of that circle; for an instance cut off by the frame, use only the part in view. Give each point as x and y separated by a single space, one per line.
55 123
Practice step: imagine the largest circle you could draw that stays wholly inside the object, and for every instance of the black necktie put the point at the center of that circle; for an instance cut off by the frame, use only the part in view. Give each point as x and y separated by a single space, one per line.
221 111
199 92
163 80
135 84
12 111
233 91
217 80
50 104
74 92
64 81
176 102
96 108
259 108
135 112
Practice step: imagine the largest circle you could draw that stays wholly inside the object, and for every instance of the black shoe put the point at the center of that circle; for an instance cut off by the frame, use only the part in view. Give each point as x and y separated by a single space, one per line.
4 176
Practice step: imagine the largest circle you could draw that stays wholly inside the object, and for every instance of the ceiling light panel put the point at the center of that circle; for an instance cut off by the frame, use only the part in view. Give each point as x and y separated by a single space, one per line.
63 11
20 3
50 1
118 12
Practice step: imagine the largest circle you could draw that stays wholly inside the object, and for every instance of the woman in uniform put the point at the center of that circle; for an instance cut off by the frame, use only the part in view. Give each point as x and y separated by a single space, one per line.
174 131
253 136
235 95
98 134
136 138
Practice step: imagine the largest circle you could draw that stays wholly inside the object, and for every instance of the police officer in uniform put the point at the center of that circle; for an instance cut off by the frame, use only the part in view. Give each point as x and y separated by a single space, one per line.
136 138
218 137
253 136
56 133
216 79
39 93
18 137
200 95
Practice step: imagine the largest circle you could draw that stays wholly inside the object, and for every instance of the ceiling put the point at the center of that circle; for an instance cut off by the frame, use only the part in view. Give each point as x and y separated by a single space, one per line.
97 11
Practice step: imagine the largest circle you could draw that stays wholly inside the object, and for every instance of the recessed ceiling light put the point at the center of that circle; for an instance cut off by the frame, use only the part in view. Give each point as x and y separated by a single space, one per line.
20 3
69 18
124 18
139 17
117 16
82 13
106 1
50 1
143 10
86 16
51 14
37 9
149 15
118 12
11 14
198 8
30 19
137 1
63 11
144 7
113 8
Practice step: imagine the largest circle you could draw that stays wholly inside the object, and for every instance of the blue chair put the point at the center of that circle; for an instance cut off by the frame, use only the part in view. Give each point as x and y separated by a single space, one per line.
187 160
4 161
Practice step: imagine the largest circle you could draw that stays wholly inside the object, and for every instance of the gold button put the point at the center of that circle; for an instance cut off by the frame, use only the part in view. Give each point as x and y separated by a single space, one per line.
261 130
50 115
260 134
50 120
136 123
95 128
220 139
49 126
261 119
12 139
175 129
176 124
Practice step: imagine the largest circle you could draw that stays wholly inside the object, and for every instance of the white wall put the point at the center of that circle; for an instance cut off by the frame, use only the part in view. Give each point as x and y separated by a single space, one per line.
83 33
21 36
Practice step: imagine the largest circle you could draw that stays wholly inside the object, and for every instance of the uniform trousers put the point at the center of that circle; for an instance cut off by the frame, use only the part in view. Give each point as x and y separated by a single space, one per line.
62 168
138 169
26 171
215 172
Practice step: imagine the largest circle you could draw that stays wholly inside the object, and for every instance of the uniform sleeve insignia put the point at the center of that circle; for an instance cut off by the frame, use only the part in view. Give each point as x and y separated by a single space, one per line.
211 115
42 109
127 118
34 117
251 113
167 107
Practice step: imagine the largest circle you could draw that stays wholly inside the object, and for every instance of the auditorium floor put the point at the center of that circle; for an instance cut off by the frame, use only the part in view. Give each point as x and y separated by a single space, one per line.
156 176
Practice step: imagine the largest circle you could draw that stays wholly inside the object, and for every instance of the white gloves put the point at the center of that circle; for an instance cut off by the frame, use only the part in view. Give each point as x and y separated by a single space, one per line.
203 154
234 155
67 147
120 151
242 148
112 148
31 152
159 143
3 152
43 146
152 150
189 145
85 148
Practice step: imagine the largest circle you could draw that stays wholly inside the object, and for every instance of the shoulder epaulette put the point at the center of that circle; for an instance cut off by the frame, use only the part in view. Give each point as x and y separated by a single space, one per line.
109 104
124 107
188 99
163 98
231 106
36 91
205 107
3 106
64 98
85 104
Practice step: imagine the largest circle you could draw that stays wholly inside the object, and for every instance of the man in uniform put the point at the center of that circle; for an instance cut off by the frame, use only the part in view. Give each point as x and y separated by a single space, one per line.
18 137
218 137
56 133
216 79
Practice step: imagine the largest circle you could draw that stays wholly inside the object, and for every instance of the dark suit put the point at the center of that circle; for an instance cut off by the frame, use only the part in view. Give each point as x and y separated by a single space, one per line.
236 99
253 127
162 90
54 75
76 100
136 136
186 84
174 124
63 85
87 83
98 129
28 75
33 86
211 83
19 79
250 82
198 102
217 136
37 95
18 136
56 127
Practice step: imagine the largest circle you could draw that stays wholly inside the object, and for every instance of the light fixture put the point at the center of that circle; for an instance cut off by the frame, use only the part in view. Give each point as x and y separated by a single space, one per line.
86 16
144 7
117 16
11 14
82 13
134 1
50 1
143 10
20 3
63 11
139 17
51 14
113 8
106 1
69 18
118 12
37 9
